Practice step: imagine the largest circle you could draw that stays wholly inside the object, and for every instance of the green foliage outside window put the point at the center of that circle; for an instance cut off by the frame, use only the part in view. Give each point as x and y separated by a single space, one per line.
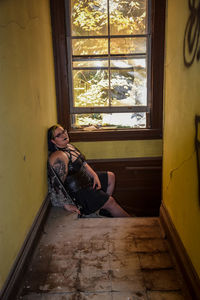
106 70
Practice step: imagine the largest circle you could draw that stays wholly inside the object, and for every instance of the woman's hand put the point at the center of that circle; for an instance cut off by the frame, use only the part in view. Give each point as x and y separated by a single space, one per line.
94 176
71 208
96 182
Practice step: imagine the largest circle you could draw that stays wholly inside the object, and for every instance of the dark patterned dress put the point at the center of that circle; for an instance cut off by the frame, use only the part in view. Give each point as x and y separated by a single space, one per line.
79 185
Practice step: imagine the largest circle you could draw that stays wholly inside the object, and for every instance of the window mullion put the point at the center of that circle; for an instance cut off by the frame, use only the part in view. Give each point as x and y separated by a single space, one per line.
111 109
109 71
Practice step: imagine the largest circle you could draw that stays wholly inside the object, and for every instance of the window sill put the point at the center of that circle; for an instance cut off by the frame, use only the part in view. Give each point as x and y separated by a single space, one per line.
114 135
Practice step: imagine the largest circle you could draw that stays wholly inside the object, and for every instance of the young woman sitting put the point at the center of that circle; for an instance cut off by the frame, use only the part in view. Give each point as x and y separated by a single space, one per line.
91 190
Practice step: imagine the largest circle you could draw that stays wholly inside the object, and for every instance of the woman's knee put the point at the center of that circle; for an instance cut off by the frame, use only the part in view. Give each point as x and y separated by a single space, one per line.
111 182
111 177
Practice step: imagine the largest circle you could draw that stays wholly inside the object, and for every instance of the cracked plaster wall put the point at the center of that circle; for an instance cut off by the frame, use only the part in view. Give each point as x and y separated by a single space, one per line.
28 108
181 103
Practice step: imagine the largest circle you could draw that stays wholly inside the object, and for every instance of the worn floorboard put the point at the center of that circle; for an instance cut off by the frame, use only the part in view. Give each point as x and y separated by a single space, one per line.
101 258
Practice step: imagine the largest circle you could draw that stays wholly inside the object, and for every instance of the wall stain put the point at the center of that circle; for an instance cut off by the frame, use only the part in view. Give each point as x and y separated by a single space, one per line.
23 27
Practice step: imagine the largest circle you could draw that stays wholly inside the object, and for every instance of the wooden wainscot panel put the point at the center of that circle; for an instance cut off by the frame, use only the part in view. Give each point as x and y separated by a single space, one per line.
138 183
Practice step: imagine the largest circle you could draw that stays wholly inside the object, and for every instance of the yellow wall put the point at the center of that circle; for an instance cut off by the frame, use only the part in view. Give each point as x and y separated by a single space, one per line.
28 107
121 149
182 102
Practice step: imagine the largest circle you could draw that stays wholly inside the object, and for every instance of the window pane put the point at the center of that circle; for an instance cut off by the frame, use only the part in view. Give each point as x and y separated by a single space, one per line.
128 45
89 46
90 88
110 121
127 17
128 83
128 79
89 17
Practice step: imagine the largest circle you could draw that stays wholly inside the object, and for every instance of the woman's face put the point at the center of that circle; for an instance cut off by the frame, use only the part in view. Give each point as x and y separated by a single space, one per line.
61 138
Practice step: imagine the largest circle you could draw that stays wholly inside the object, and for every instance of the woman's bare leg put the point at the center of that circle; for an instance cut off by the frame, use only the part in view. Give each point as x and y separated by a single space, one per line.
114 209
111 183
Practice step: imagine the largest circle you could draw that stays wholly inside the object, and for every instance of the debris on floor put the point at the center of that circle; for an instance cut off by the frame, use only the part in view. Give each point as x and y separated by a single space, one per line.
101 258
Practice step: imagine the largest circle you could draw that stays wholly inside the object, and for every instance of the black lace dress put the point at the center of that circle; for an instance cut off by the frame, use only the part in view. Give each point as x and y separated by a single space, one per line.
79 184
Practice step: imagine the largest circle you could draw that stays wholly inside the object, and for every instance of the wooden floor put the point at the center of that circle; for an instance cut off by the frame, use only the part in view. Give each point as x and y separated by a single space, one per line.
101 258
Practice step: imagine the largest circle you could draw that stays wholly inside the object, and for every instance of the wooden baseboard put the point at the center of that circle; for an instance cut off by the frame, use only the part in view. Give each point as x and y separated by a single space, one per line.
10 288
184 263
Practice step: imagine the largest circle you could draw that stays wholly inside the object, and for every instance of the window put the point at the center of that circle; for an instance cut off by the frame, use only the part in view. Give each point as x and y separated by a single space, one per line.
109 67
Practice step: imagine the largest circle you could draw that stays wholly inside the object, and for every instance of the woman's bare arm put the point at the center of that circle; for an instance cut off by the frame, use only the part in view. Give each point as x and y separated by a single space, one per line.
93 174
59 161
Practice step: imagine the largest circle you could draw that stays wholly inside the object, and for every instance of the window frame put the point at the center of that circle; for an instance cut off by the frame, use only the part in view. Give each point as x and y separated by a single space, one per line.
57 9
